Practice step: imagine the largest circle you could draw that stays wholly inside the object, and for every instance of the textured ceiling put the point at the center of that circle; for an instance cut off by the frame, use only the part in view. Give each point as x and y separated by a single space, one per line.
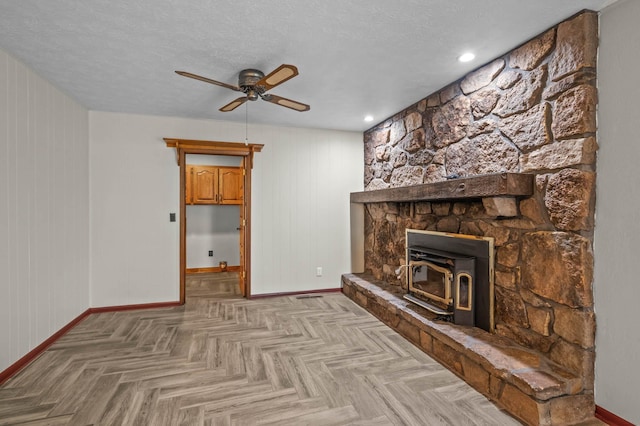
355 57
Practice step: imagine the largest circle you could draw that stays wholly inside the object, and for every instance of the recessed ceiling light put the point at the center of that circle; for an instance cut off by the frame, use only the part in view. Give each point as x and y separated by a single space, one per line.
368 118
466 57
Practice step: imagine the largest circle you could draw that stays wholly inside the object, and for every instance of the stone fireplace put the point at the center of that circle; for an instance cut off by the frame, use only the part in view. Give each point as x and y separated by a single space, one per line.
531 114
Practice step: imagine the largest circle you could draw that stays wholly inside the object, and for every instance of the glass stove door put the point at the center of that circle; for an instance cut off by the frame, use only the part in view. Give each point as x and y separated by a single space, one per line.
430 280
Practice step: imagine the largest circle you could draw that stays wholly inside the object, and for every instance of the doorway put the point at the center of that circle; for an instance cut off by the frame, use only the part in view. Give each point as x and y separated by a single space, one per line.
213 219
220 178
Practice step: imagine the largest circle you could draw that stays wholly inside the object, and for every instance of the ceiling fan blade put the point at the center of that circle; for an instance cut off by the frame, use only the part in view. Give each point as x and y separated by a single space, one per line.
234 104
208 80
278 76
278 100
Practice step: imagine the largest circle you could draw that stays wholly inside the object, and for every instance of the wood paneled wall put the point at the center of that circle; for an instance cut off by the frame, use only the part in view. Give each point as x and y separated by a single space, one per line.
301 183
44 210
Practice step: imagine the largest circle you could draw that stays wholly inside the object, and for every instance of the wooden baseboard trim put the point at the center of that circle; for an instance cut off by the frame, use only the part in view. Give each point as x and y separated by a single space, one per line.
35 352
190 271
609 418
294 293
133 307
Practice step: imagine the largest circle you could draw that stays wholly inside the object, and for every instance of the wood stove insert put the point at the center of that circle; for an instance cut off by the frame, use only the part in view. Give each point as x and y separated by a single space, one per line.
452 276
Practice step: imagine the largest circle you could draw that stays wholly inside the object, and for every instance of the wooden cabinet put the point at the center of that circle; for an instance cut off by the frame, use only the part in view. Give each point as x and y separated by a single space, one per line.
202 185
230 185
214 185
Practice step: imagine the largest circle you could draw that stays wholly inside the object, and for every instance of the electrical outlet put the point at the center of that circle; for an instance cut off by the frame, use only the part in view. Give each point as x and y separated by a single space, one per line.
319 271
210 253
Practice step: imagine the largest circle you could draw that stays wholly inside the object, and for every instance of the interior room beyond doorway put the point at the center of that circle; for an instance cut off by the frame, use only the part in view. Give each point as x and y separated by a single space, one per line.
212 229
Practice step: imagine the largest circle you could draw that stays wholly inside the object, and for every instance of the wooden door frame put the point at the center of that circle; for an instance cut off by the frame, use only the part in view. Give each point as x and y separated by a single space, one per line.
236 149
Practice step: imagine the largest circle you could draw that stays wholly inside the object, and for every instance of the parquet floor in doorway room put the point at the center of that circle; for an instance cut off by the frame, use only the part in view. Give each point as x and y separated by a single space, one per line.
224 360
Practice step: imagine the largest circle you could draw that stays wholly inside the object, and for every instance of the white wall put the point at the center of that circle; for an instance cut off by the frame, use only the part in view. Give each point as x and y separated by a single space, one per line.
212 227
301 186
301 210
214 160
617 235
44 210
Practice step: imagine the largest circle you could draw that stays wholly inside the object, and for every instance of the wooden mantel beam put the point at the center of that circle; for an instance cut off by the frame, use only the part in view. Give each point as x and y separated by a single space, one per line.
492 185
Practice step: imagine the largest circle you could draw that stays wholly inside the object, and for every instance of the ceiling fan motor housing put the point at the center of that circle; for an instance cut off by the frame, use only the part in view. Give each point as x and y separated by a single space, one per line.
247 81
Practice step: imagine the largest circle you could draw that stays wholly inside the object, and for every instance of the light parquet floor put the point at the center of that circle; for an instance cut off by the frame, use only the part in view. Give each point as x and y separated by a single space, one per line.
224 360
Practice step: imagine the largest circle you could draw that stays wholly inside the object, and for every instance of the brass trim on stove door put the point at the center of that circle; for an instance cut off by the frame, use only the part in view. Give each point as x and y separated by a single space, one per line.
447 300
469 292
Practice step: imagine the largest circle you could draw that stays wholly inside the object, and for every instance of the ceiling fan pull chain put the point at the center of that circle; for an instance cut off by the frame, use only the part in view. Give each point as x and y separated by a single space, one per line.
246 123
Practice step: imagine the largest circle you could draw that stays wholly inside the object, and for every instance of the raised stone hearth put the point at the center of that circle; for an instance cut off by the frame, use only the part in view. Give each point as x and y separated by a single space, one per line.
530 386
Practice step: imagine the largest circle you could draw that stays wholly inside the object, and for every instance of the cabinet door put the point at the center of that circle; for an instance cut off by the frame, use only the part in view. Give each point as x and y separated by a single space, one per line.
203 185
231 185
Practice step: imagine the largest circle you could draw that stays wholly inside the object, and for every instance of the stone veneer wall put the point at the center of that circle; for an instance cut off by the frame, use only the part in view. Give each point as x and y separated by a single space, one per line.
532 110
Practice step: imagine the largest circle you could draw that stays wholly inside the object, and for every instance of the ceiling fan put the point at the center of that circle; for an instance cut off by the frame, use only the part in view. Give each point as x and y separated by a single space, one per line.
254 84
